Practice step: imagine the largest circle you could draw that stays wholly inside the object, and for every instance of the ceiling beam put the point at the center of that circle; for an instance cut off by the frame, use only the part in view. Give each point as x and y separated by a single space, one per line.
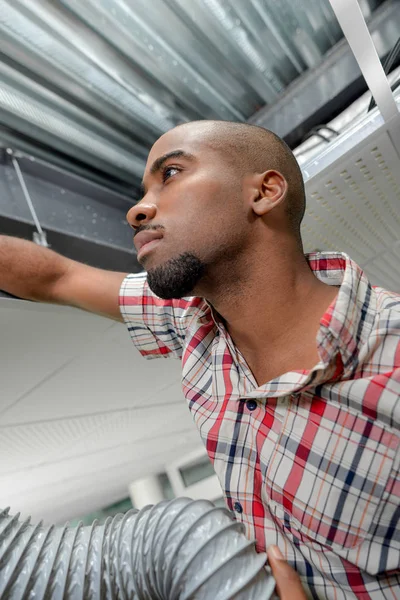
323 92
81 219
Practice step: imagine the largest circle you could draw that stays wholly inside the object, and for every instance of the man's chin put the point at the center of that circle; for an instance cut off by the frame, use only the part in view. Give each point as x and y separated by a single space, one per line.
176 277
150 262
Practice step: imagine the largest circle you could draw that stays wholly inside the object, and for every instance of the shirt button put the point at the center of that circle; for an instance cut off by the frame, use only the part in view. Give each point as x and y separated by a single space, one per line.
238 507
251 404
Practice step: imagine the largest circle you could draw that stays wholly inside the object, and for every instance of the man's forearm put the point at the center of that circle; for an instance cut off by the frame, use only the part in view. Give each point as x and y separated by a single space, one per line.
28 270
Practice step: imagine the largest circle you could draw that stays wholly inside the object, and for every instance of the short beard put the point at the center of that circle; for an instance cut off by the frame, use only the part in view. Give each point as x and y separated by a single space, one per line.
176 278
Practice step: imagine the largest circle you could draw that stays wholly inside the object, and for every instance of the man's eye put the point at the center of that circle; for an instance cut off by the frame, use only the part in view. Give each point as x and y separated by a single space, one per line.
169 172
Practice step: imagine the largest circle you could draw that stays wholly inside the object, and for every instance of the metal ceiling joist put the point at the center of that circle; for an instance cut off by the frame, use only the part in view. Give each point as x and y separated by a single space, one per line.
310 99
355 29
361 43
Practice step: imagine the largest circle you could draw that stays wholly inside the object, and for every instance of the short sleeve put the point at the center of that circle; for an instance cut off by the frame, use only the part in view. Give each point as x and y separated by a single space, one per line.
157 327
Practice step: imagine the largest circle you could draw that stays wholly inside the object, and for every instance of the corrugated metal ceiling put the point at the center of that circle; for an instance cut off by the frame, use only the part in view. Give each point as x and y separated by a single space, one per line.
100 80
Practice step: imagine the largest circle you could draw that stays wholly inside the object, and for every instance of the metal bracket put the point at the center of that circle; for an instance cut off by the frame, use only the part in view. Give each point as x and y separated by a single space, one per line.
39 236
352 22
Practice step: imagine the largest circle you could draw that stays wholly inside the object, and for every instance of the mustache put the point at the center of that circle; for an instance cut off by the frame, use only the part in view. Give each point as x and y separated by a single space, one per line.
148 228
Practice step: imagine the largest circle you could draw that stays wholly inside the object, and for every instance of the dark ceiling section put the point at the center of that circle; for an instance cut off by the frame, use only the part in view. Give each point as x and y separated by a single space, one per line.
81 220
88 87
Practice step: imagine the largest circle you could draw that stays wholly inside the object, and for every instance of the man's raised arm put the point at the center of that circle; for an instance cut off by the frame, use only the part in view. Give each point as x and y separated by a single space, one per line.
40 274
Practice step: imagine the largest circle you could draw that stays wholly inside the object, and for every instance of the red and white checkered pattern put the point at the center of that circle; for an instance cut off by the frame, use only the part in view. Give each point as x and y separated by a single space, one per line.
309 461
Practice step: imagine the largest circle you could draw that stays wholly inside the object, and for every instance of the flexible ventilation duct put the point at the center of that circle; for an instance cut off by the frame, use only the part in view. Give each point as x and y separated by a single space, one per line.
181 549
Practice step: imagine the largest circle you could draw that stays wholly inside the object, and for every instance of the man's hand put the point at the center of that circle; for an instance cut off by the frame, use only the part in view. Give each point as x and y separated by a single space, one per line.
288 584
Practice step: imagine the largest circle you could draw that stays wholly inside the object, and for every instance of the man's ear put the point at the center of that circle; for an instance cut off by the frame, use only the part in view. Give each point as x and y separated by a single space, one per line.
272 190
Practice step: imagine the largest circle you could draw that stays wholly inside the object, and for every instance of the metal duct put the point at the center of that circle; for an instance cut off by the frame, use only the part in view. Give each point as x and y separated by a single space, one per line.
181 549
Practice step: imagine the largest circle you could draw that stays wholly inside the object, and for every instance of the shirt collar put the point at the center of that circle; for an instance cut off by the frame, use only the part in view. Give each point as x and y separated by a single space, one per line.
347 324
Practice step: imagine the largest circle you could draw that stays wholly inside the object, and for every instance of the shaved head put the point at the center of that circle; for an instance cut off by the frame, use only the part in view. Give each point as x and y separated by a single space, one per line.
250 148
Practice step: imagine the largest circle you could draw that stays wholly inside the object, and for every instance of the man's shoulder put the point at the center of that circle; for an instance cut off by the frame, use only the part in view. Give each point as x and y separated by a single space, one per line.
387 304
136 295
158 327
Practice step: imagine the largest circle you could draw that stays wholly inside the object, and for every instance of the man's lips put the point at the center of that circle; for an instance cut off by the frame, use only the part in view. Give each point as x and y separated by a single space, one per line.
146 248
146 237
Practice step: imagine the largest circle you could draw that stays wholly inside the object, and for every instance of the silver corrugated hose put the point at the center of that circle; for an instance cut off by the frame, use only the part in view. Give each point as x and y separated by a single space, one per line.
181 549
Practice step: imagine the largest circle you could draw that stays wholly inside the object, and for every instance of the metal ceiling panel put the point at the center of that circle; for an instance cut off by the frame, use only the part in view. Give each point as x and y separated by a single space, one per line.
353 198
100 80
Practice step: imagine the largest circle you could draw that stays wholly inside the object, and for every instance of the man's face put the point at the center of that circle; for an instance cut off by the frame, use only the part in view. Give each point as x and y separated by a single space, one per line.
193 200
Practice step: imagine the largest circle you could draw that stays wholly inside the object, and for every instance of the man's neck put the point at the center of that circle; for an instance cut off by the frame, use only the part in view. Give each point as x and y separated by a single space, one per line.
272 307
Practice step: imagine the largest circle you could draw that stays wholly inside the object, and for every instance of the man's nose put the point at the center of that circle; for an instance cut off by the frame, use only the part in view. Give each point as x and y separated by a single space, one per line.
141 214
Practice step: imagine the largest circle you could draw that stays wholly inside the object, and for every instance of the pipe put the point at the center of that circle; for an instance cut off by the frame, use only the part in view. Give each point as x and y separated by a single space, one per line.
179 549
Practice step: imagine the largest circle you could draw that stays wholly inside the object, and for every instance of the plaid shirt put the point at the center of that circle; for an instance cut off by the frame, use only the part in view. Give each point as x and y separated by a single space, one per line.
309 461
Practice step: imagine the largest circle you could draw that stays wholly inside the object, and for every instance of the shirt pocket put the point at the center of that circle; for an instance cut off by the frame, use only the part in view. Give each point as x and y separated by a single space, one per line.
328 476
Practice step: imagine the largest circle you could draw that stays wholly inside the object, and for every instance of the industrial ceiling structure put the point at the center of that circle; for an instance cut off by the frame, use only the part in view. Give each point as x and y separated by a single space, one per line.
100 80
85 89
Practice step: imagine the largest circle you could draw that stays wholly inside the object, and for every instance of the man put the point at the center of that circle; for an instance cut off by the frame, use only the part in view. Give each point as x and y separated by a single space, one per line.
291 364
